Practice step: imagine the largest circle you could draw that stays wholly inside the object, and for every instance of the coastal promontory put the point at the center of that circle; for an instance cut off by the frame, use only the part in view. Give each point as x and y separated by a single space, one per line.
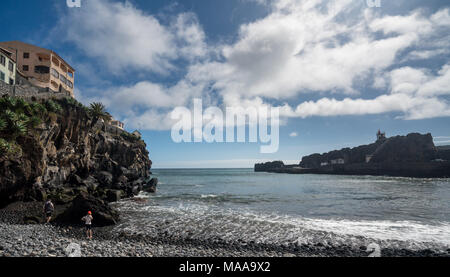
413 155
57 149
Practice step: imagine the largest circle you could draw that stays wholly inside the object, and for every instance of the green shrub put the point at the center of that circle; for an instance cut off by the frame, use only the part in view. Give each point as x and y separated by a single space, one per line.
129 137
2 124
9 148
37 109
33 122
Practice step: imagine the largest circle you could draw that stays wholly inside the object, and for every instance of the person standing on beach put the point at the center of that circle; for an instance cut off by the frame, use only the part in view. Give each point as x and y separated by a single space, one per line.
48 210
88 224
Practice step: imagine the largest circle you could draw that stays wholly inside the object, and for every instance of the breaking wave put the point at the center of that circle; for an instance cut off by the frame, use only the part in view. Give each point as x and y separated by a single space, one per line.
203 222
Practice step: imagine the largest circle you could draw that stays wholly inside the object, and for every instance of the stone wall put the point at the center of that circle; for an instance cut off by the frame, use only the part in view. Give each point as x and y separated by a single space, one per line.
5 88
26 90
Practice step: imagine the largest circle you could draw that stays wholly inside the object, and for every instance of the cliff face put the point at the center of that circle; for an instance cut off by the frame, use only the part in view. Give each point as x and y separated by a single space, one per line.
414 155
66 156
411 148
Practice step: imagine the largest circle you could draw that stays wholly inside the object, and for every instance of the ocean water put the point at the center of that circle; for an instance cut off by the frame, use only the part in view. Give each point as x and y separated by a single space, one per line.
241 205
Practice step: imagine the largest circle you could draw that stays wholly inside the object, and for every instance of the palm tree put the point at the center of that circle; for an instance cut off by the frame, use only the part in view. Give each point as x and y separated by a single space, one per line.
98 111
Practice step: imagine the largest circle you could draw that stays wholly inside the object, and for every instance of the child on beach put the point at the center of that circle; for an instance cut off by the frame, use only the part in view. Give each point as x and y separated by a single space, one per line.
88 224
48 210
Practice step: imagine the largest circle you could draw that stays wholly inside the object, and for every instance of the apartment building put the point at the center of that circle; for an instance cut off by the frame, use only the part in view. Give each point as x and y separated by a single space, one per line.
42 67
7 67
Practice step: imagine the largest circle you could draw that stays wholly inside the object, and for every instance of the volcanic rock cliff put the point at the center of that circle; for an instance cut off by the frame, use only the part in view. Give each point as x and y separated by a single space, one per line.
411 148
69 156
414 155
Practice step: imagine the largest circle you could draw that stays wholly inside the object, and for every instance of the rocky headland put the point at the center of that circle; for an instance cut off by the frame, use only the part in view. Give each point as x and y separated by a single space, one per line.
414 155
56 149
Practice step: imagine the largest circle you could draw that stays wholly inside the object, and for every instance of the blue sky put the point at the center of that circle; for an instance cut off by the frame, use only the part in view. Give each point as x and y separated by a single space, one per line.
340 70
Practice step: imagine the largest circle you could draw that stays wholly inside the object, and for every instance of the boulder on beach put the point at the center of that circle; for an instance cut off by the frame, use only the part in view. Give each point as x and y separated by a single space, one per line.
152 185
103 214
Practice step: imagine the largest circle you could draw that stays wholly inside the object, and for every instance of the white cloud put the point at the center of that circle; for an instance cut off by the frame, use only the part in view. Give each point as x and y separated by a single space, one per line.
407 79
426 54
411 107
124 37
302 47
414 23
293 134
440 85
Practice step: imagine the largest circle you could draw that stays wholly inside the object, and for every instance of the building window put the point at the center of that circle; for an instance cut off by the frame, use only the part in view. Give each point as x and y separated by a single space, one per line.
41 69
55 61
26 55
11 66
63 79
70 84
2 76
11 81
54 73
25 68
2 60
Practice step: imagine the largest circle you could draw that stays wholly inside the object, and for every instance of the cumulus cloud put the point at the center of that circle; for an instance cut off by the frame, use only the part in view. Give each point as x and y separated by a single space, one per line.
303 48
320 49
410 107
124 37
299 48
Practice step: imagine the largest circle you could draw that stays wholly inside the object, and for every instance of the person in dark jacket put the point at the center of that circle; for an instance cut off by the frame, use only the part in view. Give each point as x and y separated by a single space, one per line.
49 208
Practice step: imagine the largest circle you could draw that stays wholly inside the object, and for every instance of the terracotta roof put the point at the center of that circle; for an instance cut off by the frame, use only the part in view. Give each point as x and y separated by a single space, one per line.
7 52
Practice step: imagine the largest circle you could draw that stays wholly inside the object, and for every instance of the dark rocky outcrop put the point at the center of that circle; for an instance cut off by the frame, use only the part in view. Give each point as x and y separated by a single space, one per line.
411 148
414 155
103 214
269 165
443 152
151 187
67 155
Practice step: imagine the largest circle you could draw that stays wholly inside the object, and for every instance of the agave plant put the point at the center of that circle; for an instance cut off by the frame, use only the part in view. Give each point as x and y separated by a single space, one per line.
9 116
2 124
38 110
17 129
21 105
22 117
8 102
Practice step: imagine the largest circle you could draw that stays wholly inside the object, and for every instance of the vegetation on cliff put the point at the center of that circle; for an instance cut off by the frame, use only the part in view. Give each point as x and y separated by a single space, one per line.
60 149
